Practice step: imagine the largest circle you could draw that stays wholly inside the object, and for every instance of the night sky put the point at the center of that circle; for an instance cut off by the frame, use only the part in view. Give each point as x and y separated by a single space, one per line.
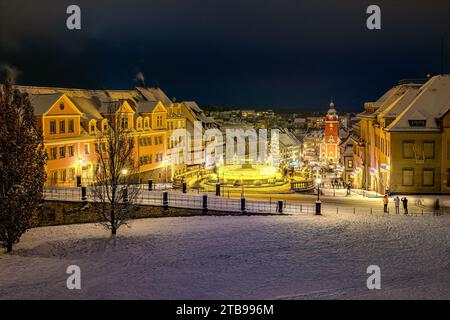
280 54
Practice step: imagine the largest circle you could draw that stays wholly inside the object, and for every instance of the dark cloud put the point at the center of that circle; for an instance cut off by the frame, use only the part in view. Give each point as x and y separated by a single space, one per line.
274 53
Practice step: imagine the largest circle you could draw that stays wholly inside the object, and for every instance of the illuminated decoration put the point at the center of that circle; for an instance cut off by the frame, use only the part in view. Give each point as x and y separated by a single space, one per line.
352 175
384 167
124 171
373 171
358 170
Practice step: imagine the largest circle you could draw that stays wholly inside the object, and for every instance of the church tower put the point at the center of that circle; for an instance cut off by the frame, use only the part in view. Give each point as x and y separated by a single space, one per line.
329 149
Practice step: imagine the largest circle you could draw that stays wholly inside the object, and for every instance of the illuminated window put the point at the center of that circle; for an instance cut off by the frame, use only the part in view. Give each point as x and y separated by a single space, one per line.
71 126
53 152
71 151
71 174
62 126
408 149
428 149
62 152
124 123
62 175
408 176
159 120
428 177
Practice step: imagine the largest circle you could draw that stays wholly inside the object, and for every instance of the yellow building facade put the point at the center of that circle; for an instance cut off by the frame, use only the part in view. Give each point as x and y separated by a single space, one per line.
401 143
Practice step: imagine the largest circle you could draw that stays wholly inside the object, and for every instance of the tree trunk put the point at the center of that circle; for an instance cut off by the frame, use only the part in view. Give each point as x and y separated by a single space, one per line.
9 247
113 222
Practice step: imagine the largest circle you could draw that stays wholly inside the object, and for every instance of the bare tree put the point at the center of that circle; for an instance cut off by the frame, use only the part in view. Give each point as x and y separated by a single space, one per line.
114 189
22 163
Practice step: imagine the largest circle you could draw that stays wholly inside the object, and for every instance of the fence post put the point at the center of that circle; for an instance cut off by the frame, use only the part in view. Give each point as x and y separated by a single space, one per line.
150 185
280 206
218 189
83 194
165 202
205 204
125 195
243 205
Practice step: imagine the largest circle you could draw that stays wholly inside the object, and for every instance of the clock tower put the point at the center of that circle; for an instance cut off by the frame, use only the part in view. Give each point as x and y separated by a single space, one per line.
329 149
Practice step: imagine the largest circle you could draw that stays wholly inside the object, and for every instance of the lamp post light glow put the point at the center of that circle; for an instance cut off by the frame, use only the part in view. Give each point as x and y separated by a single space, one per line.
124 171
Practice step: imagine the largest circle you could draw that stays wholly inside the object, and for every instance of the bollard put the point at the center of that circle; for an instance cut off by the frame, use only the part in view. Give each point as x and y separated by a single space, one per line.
318 208
217 189
354 211
205 204
370 210
184 187
337 210
301 208
83 194
125 195
150 184
165 202
280 206
243 205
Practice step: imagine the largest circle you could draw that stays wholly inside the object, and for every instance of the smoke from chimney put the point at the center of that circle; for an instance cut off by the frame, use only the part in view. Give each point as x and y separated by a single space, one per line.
139 78
9 72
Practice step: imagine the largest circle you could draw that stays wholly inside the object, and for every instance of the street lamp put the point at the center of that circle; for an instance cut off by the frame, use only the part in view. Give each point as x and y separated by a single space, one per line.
318 203
124 171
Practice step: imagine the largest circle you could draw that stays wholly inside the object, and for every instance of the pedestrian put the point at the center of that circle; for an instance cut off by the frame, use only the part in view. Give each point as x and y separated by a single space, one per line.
385 202
405 205
349 188
397 205
437 207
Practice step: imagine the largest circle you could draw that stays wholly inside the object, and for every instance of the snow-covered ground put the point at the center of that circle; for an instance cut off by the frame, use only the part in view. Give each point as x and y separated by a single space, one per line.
236 257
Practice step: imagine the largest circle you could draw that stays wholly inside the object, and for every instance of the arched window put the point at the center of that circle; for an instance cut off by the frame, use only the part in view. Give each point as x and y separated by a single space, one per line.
146 123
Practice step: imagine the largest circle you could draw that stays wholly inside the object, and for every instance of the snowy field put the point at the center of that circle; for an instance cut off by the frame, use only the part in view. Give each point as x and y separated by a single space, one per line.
248 257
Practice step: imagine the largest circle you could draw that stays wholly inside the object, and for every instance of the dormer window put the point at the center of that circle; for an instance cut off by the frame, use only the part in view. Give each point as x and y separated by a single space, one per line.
146 122
61 106
124 123
159 120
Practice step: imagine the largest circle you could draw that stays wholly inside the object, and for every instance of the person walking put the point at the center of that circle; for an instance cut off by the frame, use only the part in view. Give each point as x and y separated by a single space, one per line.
385 203
405 205
397 205
437 207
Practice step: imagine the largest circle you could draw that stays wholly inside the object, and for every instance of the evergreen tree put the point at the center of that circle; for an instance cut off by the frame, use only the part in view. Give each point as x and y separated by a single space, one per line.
22 161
